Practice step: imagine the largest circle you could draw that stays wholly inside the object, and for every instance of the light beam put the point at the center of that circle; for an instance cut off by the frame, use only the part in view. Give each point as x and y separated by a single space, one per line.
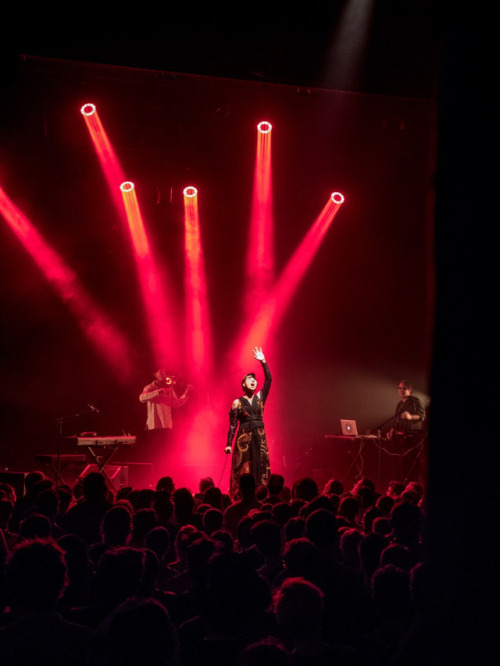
260 254
109 342
276 304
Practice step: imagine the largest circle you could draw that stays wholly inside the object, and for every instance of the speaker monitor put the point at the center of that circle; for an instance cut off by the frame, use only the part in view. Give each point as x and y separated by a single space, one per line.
140 475
14 479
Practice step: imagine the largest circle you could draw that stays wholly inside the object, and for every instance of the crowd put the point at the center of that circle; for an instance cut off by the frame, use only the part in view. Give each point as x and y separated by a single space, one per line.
296 575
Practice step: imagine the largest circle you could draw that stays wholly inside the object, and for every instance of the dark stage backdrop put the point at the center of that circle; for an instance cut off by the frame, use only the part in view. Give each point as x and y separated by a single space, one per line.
359 322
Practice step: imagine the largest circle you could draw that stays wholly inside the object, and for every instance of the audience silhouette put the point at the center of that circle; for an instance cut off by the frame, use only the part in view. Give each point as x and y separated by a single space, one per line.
167 576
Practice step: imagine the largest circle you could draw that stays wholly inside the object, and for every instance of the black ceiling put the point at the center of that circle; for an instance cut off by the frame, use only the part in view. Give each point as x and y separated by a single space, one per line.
274 42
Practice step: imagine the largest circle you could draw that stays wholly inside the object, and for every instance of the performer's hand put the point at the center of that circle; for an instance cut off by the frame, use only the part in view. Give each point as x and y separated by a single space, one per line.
227 449
407 416
259 354
390 433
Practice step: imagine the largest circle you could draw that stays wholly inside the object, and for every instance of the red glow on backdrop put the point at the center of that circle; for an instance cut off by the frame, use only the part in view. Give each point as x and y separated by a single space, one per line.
109 342
159 322
276 304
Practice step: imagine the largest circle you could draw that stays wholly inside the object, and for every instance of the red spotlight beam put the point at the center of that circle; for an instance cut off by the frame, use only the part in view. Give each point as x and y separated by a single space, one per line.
109 342
260 255
197 314
159 323
275 306
107 158
160 329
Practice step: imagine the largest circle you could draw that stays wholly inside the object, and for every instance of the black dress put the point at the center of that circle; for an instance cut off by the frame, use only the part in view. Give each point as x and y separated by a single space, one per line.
250 453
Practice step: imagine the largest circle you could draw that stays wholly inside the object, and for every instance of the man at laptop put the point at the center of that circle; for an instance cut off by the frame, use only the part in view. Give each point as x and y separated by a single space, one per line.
410 413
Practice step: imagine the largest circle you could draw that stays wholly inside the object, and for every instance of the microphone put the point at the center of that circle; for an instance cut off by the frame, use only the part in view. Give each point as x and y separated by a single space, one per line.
93 408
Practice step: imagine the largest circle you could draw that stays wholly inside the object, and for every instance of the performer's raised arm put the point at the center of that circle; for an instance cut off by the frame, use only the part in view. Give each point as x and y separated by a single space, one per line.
264 391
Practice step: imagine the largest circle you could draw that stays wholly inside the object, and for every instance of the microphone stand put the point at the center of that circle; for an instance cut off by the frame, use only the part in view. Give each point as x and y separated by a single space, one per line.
381 425
60 421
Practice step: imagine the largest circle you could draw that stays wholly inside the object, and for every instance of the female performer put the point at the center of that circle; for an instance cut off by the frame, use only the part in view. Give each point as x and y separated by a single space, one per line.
250 452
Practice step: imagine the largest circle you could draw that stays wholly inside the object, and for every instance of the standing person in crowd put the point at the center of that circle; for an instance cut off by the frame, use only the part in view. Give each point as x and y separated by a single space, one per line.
250 454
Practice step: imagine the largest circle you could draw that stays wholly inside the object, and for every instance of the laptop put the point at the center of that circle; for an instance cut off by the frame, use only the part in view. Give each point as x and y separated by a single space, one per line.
349 427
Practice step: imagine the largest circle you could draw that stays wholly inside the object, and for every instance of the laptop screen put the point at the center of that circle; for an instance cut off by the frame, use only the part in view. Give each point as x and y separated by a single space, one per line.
349 427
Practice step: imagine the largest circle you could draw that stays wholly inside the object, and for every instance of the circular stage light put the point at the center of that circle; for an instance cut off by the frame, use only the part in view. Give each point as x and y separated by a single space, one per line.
190 191
264 127
127 186
337 198
88 109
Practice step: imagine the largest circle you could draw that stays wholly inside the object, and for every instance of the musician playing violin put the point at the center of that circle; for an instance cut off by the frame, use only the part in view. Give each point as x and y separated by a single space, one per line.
161 397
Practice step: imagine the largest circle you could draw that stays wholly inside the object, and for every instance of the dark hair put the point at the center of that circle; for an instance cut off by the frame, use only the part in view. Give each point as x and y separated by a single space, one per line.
249 374
36 574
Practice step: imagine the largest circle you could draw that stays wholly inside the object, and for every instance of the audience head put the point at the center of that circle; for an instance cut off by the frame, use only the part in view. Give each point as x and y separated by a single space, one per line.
183 539
137 631
7 492
94 487
166 483
266 535
31 479
299 606
368 518
382 525
247 486
302 558
305 489
119 574
349 544
333 487
35 526
213 497
116 525
295 528
322 529
275 484
158 540
212 520
236 596
223 541
394 489
163 506
35 575
398 555
406 522
348 509
183 503
143 521
391 593
206 482
385 504
281 512
370 548
266 652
